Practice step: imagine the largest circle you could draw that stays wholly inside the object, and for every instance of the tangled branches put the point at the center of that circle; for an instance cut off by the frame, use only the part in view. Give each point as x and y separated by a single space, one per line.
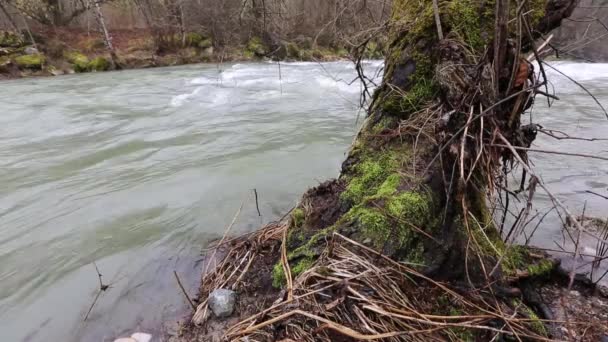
354 292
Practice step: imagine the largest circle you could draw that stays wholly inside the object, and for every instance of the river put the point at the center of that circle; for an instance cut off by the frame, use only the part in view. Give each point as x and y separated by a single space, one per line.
136 171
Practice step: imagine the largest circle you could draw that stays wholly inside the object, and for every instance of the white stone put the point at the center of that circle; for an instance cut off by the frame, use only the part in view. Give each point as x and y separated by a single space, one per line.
222 302
30 50
141 337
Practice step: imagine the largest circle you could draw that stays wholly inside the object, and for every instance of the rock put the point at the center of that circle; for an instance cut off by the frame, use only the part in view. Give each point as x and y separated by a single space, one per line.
6 51
604 338
32 62
5 64
78 60
56 72
603 290
171 328
30 50
136 337
141 337
205 43
207 51
256 47
99 64
222 302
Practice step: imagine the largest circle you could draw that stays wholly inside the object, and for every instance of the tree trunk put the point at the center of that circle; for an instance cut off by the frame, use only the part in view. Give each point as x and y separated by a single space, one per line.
416 182
106 35
403 246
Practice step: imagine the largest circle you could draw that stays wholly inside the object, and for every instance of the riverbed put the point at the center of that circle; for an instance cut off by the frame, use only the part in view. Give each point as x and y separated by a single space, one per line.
136 171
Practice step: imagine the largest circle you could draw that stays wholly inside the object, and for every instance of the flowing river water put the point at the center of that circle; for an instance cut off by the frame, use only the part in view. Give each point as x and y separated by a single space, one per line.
137 171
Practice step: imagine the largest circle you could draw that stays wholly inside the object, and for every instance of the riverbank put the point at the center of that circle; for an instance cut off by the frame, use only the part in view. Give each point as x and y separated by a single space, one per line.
326 299
63 51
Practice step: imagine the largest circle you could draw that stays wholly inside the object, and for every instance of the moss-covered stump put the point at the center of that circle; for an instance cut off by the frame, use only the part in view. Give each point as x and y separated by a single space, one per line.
403 245
416 184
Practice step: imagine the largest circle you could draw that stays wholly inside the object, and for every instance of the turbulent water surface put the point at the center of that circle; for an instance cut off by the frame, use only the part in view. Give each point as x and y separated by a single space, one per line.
137 170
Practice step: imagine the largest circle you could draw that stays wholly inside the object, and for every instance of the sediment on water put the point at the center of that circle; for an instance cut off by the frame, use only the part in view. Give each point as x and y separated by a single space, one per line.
406 244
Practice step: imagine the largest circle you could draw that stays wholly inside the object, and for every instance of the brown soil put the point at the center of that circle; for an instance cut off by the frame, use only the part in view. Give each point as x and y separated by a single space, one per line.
322 204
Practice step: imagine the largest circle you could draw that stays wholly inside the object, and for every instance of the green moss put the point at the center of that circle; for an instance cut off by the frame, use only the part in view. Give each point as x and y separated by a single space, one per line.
306 55
389 186
278 275
248 54
395 220
293 51
205 43
342 52
193 38
256 47
518 258
79 61
464 19
4 61
99 64
413 207
308 249
301 266
542 268
372 51
422 88
485 236
370 174
34 62
387 122
537 11
297 218
318 54
374 223
535 322
197 40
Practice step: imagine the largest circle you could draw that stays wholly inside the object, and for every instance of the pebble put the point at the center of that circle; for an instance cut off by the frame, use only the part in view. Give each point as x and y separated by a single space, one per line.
136 337
30 50
222 302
